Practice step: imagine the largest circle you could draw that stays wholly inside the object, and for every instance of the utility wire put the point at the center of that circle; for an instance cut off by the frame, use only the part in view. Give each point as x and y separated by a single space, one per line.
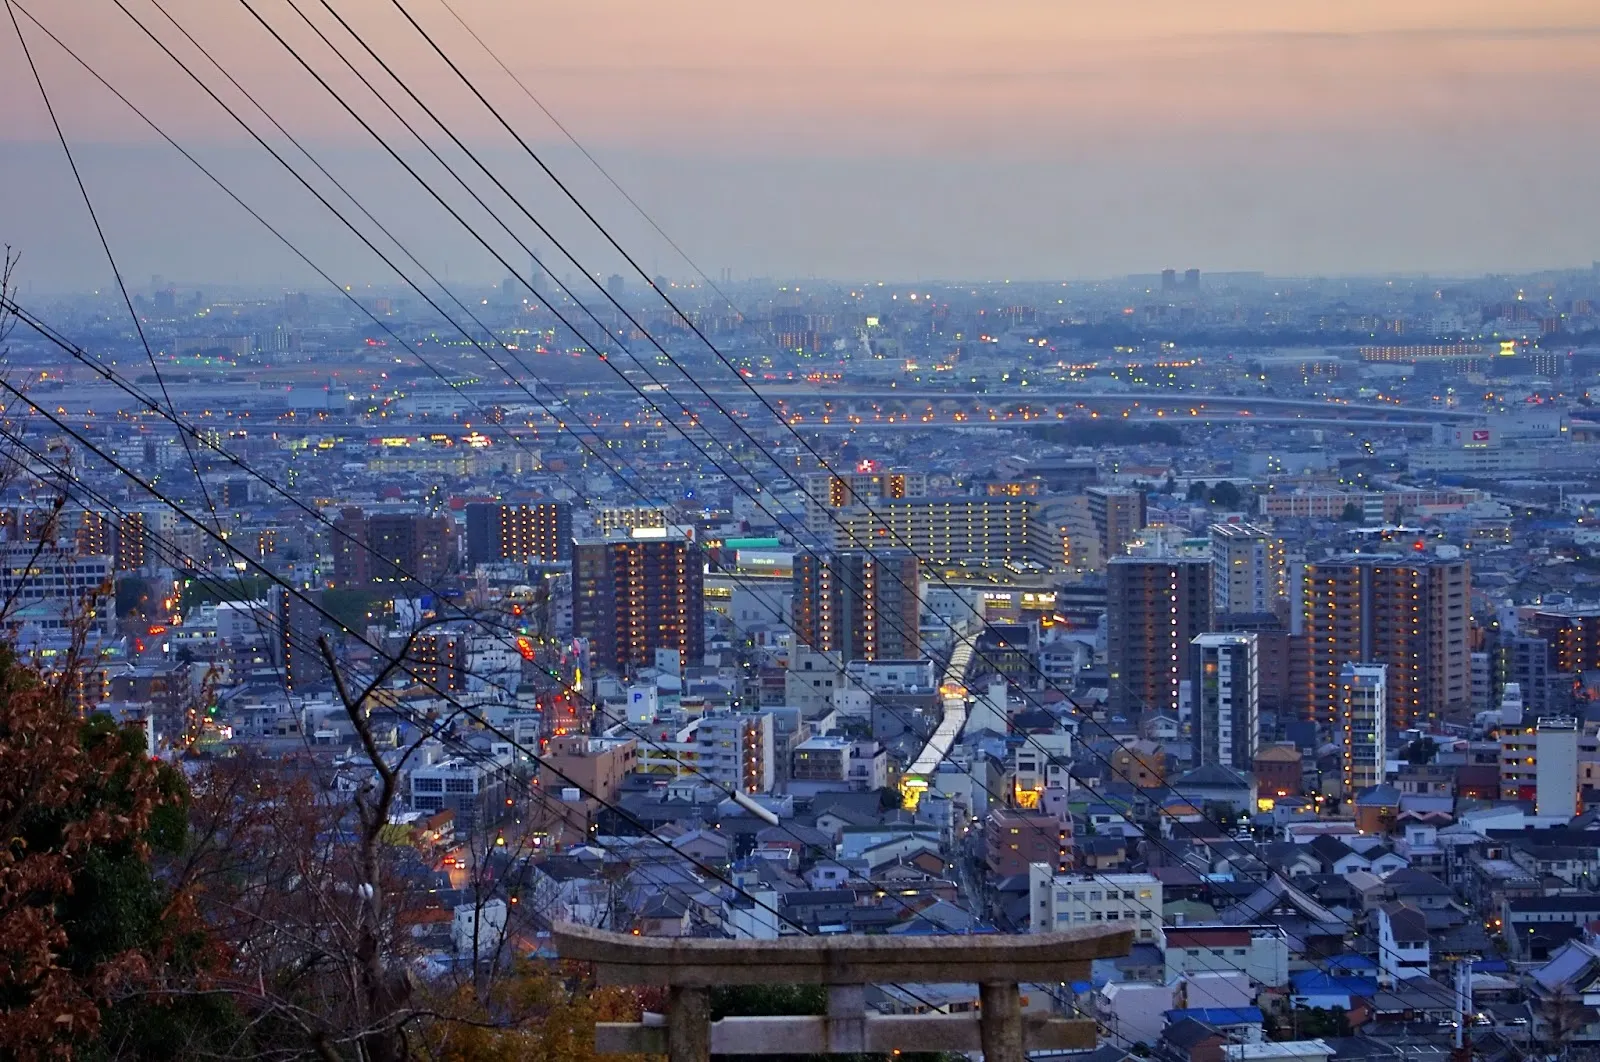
29 320
460 708
467 82
111 259
668 418
476 618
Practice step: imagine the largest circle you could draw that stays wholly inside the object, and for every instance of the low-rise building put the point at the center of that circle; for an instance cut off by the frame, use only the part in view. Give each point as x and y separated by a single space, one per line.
1014 840
1061 901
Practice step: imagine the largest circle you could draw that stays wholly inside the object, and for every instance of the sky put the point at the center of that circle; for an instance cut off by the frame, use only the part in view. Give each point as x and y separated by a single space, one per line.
857 139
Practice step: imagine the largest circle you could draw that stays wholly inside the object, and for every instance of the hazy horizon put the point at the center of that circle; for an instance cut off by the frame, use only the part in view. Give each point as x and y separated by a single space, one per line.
898 140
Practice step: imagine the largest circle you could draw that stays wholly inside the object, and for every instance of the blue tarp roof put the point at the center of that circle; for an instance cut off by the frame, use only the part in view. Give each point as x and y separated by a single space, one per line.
1317 983
1218 1015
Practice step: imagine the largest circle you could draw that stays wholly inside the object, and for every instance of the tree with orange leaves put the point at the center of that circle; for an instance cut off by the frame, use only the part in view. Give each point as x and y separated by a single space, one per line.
86 929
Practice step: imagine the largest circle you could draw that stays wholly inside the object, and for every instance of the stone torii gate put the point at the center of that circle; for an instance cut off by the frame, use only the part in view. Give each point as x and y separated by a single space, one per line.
846 964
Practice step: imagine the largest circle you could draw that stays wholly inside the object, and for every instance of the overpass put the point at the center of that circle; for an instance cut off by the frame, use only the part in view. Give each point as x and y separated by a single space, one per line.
816 396
1233 418
953 701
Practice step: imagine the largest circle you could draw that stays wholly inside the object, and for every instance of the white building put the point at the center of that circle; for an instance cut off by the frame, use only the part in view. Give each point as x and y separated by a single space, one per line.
1402 943
811 680
1261 952
1061 901
1248 572
731 750
1226 691
478 929
1556 780
475 787
1363 723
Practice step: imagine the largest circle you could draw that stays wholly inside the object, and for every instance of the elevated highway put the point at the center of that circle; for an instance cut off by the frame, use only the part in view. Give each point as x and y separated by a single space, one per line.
814 398
953 701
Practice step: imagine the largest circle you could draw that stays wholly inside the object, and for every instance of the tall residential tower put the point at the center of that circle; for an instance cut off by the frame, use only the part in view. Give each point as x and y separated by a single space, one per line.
1155 606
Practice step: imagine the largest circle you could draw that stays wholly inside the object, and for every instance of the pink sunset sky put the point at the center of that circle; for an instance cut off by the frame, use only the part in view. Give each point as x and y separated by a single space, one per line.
1027 138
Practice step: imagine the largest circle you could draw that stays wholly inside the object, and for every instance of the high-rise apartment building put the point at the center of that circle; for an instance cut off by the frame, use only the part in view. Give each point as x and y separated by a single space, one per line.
1410 613
441 659
296 625
410 546
1573 637
1525 660
1118 514
636 592
1272 653
983 531
387 548
1248 570
95 533
734 750
539 532
134 533
866 484
1155 606
861 604
1225 721
1362 727
125 537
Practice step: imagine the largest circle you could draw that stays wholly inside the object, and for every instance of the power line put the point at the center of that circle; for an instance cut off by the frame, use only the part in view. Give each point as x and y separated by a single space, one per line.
111 259
29 319
575 330
461 75
32 323
310 603
732 420
143 399
396 663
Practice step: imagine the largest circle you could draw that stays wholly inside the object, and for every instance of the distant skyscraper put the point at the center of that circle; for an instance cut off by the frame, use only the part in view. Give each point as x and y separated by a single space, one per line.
1118 513
1362 724
628 517
1248 570
863 605
1226 718
634 593
1155 606
616 286
95 533
1409 612
1525 660
133 542
541 532
1191 280
1169 280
